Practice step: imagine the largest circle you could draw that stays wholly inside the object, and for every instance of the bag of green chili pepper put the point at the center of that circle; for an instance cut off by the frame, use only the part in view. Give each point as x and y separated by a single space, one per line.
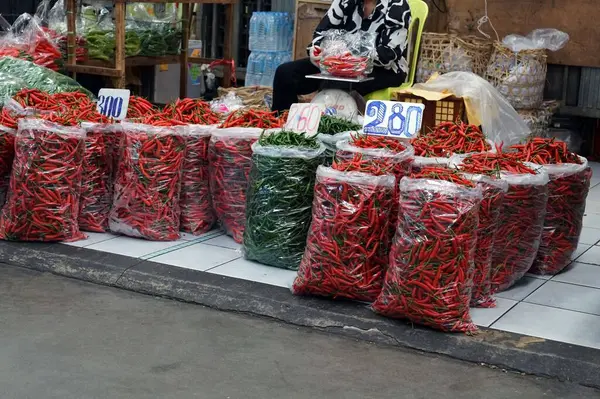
279 198
38 77
9 86
333 129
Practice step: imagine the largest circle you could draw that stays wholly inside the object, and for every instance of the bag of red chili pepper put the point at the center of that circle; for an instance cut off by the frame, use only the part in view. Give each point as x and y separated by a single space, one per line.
43 198
520 228
280 197
493 190
346 54
346 251
148 183
375 155
197 214
7 154
567 192
98 170
230 153
430 276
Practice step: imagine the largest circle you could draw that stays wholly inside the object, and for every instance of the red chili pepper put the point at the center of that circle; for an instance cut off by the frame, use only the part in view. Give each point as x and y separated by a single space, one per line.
430 275
101 144
148 183
139 107
521 217
450 138
230 155
197 214
567 192
345 65
192 111
253 118
347 247
8 126
43 199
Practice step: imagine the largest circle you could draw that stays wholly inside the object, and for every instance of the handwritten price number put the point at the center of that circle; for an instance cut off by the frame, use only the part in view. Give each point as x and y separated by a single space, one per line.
304 118
110 106
399 123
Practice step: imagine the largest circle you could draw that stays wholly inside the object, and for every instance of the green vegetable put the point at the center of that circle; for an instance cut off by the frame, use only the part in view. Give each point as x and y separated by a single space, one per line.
333 125
279 198
101 44
9 86
159 40
38 77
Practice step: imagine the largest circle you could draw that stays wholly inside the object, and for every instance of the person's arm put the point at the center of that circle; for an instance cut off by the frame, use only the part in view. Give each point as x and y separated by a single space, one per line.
332 20
394 39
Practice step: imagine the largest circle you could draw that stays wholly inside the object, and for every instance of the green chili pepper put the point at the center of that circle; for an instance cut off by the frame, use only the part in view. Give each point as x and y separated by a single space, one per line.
279 198
333 125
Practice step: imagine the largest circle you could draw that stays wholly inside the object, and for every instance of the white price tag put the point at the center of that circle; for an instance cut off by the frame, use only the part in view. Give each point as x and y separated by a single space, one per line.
390 118
304 118
113 103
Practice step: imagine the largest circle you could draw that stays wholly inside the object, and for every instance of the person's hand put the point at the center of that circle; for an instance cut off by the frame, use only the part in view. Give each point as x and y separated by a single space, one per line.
315 55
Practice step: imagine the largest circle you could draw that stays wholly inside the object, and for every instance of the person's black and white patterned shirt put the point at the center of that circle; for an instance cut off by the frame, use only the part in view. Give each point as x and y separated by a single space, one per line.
389 20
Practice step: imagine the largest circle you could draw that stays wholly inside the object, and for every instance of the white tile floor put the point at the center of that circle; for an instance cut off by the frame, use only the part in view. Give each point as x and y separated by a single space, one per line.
565 307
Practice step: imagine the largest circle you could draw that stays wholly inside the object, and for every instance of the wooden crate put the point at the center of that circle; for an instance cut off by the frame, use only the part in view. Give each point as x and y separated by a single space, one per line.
449 109
308 15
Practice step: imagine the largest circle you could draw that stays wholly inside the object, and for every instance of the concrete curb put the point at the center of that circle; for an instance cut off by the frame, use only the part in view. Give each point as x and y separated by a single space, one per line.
526 354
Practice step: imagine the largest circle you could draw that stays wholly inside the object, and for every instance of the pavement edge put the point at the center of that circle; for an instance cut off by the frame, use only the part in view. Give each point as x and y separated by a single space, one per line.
512 351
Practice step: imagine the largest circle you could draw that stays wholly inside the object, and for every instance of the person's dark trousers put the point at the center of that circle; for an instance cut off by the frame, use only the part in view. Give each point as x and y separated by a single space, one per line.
290 82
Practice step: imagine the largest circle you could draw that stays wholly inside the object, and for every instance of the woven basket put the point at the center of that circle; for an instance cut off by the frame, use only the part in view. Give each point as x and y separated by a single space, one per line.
538 120
520 77
253 96
446 52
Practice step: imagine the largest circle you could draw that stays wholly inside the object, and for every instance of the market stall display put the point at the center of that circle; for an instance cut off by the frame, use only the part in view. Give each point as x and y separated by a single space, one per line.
430 276
521 218
43 198
197 215
279 197
347 247
148 182
230 153
567 192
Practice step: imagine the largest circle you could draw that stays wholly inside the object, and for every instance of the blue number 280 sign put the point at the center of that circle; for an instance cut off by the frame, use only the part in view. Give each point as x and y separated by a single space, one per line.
390 118
113 103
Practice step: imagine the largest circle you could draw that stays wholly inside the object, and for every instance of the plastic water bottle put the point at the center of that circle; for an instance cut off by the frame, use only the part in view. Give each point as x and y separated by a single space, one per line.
253 32
251 70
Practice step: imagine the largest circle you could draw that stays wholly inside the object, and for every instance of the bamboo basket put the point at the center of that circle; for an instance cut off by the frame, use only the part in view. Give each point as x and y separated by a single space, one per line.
447 52
538 120
520 77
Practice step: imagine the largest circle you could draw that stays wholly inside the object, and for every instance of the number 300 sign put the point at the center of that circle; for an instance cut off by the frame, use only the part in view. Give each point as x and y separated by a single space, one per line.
390 118
304 118
113 103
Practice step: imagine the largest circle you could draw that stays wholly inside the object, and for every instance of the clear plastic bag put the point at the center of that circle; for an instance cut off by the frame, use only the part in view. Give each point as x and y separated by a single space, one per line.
148 183
430 276
348 241
7 154
567 192
43 198
9 86
377 161
158 35
101 143
197 214
520 228
279 203
347 55
230 161
548 39
485 105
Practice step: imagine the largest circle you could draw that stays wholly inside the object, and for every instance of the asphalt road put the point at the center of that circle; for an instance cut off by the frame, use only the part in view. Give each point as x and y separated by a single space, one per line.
62 338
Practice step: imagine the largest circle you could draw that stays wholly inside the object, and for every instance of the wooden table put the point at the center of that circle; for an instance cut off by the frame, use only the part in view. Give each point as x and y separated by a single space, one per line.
117 69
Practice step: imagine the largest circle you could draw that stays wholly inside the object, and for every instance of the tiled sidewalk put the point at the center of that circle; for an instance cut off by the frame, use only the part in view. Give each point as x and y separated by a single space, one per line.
564 308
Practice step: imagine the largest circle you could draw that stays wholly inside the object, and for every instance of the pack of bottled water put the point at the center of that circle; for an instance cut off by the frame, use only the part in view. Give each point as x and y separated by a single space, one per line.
270 43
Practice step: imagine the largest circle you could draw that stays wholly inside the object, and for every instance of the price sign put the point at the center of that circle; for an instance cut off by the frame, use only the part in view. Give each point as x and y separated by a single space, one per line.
395 119
304 118
113 103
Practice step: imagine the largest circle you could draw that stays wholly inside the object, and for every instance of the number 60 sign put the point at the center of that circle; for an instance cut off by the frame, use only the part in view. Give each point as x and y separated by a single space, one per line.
304 118
390 118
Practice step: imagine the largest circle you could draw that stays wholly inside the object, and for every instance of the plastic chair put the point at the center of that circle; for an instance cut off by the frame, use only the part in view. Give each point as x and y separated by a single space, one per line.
418 12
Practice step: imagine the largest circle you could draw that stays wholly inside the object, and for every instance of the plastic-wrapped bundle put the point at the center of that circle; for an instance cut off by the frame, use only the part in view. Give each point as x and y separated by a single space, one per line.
197 215
230 153
98 170
567 192
430 276
346 54
8 131
493 190
347 247
148 183
279 201
520 228
43 198
333 129
9 86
